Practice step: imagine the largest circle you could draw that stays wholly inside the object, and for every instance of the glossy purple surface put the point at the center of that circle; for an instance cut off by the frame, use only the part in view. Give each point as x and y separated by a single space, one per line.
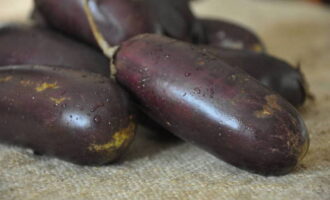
77 116
224 34
272 72
175 19
118 20
21 44
199 98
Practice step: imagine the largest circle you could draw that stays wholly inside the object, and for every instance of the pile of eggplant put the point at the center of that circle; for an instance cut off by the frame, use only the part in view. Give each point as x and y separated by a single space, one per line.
75 82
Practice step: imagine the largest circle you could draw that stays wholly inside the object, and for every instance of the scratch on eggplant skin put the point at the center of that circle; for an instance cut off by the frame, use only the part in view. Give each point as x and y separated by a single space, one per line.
45 86
269 108
58 100
263 113
26 83
119 140
5 79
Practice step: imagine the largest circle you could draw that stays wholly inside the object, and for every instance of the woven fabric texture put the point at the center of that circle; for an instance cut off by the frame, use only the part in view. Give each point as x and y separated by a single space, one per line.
155 169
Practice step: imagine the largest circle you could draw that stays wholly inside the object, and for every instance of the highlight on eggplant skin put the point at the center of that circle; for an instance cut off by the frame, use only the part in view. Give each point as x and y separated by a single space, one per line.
77 116
27 44
199 98
224 34
118 20
272 72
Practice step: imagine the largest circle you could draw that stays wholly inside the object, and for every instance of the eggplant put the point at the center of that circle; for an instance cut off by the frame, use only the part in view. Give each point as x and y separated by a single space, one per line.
37 18
77 116
196 96
25 44
224 34
175 19
321 1
272 72
118 20
286 80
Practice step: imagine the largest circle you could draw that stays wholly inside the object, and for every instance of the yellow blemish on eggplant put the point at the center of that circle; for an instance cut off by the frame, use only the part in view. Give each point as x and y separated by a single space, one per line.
257 48
5 79
268 109
263 113
26 83
45 86
201 62
120 139
58 100
272 102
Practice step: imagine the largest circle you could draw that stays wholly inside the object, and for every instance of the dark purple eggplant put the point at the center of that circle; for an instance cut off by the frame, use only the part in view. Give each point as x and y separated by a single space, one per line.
225 34
34 45
37 18
280 76
74 115
175 19
199 98
320 1
272 72
118 20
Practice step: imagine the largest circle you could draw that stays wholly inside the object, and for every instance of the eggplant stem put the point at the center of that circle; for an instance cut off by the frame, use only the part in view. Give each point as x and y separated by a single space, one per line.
107 49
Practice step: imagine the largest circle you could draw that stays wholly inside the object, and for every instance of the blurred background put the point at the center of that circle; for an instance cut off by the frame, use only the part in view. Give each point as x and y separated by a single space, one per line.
13 10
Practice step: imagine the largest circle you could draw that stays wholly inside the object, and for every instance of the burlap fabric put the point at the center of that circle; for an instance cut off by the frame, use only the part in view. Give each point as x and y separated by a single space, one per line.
172 170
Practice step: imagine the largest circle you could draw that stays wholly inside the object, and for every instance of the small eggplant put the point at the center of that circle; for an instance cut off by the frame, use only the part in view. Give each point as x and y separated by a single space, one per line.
118 20
20 44
196 96
272 72
280 76
74 115
225 34
175 19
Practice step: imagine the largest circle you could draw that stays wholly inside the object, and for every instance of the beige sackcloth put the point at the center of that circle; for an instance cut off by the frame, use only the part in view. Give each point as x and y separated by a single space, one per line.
293 30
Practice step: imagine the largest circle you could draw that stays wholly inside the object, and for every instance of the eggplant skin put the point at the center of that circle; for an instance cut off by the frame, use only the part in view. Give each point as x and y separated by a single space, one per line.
272 72
175 19
37 18
23 44
224 34
118 20
77 116
199 98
